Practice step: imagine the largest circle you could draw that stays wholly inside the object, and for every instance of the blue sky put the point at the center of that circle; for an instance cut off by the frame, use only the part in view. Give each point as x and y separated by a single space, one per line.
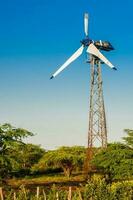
37 36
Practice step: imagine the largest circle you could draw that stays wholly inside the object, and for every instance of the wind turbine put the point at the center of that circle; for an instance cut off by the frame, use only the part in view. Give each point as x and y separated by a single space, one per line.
97 120
91 49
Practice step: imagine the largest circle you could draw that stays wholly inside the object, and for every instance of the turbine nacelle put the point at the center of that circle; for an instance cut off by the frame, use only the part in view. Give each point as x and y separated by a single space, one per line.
102 45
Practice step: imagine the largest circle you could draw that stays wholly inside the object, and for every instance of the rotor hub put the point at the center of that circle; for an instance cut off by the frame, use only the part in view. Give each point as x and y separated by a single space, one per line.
86 42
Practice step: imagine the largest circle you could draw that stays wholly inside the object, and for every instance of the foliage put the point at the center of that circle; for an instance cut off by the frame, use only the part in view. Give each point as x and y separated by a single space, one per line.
94 189
10 139
122 190
28 155
99 189
129 139
67 158
116 161
11 136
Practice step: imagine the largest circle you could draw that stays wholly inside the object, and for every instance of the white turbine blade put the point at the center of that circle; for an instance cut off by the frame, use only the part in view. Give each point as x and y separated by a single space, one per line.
94 51
86 22
70 60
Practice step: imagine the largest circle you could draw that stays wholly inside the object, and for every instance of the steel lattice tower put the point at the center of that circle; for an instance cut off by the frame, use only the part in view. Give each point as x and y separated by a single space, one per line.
97 120
97 132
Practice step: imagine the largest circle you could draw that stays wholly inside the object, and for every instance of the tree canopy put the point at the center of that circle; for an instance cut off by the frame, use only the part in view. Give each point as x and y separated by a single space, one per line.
11 136
67 158
129 138
10 140
116 161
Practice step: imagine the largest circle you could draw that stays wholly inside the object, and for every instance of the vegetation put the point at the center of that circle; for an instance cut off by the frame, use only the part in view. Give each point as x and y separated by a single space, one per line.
96 189
15 155
29 165
129 139
67 158
116 161
10 139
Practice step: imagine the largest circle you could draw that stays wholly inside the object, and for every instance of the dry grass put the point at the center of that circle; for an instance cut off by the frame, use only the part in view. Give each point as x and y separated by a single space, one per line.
46 180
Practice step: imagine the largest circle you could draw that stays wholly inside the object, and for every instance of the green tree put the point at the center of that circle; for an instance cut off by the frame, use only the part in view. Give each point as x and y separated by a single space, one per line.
116 161
10 139
11 136
28 155
129 138
67 158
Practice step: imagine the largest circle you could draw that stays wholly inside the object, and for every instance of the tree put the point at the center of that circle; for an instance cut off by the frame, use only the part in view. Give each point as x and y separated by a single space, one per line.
10 139
28 155
116 161
11 136
66 158
129 138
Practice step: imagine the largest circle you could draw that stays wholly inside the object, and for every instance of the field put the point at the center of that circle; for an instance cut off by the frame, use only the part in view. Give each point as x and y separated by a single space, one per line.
59 187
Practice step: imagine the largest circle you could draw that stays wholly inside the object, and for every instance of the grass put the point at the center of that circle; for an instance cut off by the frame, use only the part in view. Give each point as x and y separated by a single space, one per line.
46 180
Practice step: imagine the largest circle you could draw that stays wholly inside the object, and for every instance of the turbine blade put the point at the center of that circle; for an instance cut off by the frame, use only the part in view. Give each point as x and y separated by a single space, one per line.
86 23
70 60
94 51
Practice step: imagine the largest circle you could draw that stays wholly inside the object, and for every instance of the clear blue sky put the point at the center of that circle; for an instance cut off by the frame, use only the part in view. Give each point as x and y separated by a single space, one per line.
37 36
